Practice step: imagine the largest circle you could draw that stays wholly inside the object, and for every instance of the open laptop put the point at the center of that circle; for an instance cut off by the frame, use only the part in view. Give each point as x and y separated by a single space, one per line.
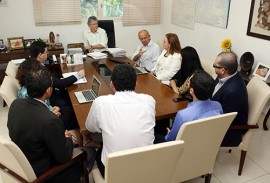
91 94
139 70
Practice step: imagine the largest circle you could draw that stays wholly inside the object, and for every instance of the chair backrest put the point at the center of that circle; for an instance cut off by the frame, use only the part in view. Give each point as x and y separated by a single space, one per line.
108 26
154 163
258 96
11 69
9 90
208 67
202 141
14 159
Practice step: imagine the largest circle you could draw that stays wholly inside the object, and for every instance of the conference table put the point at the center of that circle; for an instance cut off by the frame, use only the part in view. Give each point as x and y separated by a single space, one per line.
146 83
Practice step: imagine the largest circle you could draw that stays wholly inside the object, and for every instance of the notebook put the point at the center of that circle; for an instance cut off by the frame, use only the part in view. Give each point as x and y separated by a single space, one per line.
139 70
91 94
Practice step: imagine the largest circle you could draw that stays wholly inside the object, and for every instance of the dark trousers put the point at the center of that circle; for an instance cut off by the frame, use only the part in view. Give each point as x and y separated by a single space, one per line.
60 98
68 118
73 173
161 126
100 165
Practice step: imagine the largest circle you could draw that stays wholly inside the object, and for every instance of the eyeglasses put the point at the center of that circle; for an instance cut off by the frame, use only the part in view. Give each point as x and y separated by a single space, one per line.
218 67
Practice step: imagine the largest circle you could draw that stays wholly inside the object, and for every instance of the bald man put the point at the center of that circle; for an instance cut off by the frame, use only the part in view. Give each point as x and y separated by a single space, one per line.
147 52
231 93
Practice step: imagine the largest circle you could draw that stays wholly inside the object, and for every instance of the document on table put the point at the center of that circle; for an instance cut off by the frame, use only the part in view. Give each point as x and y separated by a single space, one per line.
82 80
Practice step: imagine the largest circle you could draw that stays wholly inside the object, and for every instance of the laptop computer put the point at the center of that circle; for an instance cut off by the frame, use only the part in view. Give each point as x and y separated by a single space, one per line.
91 94
139 70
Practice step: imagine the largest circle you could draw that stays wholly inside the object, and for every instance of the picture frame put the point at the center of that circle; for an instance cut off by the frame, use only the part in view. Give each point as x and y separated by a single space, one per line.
257 23
63 58
28 42
262 71
3 3
2 45
15 43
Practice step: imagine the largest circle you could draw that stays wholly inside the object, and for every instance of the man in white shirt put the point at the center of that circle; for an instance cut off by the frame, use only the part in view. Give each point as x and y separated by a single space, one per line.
147 52
125 119
95 38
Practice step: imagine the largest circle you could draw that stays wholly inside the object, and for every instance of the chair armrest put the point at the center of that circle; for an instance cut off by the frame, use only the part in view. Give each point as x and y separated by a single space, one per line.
78 154
243 127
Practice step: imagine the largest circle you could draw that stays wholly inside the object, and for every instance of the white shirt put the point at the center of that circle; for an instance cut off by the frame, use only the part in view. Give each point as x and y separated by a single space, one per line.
150 56
125 119
167 67
99 37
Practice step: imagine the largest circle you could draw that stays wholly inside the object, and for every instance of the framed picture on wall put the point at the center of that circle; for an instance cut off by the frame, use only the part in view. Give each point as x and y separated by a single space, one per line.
28 42
2 46
3 3
262 71
258 25
15 43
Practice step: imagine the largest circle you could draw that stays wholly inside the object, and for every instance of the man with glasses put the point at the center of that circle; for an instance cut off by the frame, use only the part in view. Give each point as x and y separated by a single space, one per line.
95 38
231 93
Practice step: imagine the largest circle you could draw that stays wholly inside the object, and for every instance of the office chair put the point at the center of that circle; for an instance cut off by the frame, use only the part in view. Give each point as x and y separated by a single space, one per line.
202 142
9 90
11 69
14 166
108 26
258 96
153 163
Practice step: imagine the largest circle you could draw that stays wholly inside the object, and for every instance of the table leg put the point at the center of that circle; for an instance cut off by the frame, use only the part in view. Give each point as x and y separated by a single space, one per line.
265 120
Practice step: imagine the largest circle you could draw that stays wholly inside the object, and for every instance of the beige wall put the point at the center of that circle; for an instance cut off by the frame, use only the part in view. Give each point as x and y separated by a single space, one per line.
207 39
17 20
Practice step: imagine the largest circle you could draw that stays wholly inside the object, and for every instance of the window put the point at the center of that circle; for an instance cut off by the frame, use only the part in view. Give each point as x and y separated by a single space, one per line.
102 8
133 12
50 12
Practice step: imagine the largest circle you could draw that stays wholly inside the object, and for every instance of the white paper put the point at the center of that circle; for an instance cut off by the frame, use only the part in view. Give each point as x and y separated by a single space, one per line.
77 58
82 80
97 55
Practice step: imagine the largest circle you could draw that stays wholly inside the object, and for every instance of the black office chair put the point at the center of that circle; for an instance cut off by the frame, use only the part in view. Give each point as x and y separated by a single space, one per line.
108 26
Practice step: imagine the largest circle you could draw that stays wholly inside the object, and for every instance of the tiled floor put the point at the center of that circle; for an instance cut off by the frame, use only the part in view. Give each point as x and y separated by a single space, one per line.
256 168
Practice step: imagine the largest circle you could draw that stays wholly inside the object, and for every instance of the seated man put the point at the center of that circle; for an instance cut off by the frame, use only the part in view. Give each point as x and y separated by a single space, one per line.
147 52
201 88
39 133
125 119
231 93
39 52
95 38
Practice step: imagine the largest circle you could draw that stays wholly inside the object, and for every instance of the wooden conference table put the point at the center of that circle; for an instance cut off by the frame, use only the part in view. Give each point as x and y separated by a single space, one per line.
146 83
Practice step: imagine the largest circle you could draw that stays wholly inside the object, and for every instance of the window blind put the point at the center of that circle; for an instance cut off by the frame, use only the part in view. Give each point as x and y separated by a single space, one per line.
55 12
141 12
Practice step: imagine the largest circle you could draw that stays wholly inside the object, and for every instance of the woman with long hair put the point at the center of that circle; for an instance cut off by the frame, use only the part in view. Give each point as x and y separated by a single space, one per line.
169 61
190 63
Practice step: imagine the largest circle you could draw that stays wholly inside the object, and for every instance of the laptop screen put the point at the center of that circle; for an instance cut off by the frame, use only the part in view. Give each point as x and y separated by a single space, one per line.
96 85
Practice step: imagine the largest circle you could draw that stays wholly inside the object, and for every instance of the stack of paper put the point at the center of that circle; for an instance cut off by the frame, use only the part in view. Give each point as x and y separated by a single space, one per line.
117 52
72 51
97 55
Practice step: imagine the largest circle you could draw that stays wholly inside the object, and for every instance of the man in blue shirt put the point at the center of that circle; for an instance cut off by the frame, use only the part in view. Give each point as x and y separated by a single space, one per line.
201 88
